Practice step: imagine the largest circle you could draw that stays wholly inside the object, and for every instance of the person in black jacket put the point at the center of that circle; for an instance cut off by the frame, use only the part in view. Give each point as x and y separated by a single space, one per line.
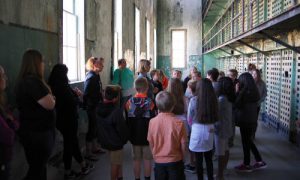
113 133
246 109
91 98
67 100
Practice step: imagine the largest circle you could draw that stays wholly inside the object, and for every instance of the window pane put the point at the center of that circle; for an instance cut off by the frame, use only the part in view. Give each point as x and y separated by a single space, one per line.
68 5
178 49
69 30
70 59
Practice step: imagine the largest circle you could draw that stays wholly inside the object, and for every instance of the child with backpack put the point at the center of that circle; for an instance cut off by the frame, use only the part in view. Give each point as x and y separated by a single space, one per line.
140 109
113 132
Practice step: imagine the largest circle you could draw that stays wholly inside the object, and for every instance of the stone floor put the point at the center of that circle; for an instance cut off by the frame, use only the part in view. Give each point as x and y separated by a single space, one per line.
282 157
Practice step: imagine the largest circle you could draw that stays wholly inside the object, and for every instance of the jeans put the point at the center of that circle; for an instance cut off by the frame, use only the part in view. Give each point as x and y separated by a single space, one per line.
92 126
38 147
169 171
209 164
247 135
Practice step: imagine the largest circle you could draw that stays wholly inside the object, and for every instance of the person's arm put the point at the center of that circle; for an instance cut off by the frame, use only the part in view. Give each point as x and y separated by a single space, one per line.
116 79
183 140
47 102
149 136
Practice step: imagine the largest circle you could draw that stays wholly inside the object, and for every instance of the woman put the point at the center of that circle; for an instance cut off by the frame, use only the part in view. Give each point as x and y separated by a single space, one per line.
37 121
246 109
189 77
144 68
67 101
91 98
203 113
8 126
261 86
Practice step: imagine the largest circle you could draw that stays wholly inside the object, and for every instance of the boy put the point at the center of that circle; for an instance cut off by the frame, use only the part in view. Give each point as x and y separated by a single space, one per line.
113 133
155 82
140 109
167 139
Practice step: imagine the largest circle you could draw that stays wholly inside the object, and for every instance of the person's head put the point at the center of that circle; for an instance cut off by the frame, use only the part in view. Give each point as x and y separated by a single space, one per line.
141 85
161 73
58 75
207 105
196 76
144 66
251 67
122 63
256 75
32 64
175 87
233 73
248 87
177 74
226 88
165 101
213 74
193 69
3 79
221 74
111 93
95 64
154 75
192 86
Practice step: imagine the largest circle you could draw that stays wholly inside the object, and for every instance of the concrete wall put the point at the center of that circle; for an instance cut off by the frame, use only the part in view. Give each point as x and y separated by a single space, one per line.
38 24
179 14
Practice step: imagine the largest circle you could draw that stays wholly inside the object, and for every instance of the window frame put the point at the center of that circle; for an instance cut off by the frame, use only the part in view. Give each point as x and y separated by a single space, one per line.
185 48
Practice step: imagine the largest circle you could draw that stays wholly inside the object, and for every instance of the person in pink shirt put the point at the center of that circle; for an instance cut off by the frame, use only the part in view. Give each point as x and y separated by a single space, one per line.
167 139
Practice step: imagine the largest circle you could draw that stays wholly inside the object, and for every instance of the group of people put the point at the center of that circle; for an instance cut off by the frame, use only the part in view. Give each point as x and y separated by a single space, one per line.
162 118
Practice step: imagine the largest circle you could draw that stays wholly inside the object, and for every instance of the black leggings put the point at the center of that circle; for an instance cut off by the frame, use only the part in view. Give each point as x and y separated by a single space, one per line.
38 147
247 135
92 126
209 164
71 148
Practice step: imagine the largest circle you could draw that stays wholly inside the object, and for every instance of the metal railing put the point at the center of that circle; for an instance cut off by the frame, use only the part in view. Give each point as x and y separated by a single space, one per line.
242 16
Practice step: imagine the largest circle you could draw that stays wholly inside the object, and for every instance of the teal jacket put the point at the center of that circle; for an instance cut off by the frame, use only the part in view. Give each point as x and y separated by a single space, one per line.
124 78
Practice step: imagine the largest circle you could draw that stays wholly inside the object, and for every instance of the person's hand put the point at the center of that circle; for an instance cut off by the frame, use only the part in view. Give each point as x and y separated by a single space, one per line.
77 91
237 87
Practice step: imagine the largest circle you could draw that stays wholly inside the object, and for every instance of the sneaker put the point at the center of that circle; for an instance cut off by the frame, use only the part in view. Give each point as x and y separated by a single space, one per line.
72 175
88 167
259 165
190 168
243 168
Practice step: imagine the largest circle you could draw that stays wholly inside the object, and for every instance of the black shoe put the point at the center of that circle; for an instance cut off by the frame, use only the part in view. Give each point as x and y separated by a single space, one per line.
71 175
190 168
87 169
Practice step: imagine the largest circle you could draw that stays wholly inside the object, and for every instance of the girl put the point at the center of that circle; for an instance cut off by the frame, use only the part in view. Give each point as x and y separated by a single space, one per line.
203 113
223 127
37 121
246 108
67 101
144 68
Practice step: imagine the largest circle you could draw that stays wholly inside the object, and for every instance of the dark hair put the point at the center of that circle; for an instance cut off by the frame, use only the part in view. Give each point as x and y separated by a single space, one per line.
248 91
251 67
165 101
58 77
31 62
207 104
226 88
121 61
258 74
111 92
213 73
234 72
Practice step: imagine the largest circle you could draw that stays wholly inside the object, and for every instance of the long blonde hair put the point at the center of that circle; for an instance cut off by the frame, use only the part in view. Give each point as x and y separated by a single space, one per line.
175 87
143 64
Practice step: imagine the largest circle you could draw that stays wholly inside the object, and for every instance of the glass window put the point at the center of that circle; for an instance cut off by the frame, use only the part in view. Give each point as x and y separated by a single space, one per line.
178 48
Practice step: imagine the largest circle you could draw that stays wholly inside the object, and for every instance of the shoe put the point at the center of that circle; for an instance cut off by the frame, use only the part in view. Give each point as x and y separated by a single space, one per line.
98 151
88 167
259 165
91 157
190 168
71 175
243 168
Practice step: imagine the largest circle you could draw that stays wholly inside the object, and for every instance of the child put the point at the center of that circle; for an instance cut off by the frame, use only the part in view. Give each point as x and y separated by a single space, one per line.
167 139
140 109
113 133
223 127
163 79
203 113
155 82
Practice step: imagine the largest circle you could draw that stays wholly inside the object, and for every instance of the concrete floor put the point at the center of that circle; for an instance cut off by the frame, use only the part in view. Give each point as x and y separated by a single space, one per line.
282 157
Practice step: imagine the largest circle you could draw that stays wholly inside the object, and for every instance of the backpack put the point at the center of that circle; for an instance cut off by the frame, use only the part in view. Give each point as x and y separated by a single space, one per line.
113 132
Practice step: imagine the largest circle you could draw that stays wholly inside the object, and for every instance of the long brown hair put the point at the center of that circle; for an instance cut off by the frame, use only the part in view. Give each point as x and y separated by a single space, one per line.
32 65
207 104
175 87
